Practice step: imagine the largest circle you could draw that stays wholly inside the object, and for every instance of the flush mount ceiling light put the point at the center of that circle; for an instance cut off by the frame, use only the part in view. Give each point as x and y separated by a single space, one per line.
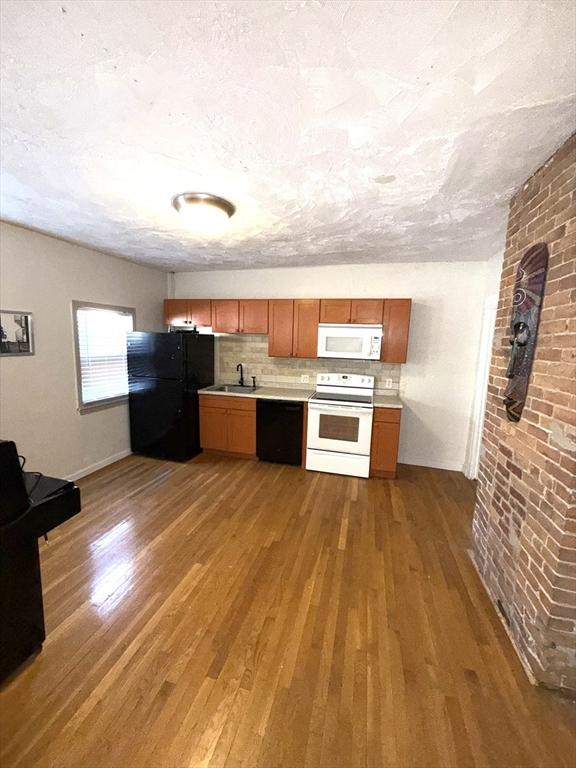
206 213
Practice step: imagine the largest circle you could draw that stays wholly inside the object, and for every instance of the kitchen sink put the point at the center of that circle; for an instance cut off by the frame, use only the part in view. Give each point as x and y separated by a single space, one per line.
233 388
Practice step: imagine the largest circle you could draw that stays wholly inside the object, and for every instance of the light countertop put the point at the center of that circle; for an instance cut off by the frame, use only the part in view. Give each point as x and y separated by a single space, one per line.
300 395
387 401
266 393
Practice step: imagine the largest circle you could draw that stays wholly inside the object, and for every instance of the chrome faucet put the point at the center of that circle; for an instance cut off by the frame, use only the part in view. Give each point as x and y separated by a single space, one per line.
240 368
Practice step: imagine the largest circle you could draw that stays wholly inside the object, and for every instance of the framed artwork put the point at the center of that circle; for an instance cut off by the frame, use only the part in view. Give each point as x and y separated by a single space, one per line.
16 333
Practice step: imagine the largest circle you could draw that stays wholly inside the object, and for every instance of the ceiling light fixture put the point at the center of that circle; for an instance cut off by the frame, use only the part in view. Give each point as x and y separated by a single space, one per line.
203 211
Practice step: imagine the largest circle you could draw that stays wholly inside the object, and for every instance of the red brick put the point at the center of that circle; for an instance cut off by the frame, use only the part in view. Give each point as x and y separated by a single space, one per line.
525 519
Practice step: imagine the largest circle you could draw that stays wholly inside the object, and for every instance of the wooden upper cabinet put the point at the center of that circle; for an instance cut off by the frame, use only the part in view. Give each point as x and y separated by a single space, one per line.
200 312
292 324
253 316
335 310
367 311
396 329
306 319
280 327
225 316
187 312
175 311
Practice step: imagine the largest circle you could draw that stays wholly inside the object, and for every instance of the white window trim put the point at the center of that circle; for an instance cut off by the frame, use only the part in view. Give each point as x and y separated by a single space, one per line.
108 402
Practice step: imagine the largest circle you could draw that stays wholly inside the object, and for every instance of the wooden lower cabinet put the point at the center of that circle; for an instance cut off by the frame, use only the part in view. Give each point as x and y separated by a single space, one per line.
213 429
228 424
385 438
242 431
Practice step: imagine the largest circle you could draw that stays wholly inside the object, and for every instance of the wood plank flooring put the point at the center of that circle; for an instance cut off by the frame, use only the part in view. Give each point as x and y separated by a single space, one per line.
249 615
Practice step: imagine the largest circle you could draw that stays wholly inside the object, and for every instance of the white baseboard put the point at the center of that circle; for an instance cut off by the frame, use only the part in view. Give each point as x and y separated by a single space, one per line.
98 465
452 466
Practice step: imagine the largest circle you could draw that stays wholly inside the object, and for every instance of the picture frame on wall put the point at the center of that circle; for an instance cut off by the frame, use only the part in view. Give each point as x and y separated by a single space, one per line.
16 333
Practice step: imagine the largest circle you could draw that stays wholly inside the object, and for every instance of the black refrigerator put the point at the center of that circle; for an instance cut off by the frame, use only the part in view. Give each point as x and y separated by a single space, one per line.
165 372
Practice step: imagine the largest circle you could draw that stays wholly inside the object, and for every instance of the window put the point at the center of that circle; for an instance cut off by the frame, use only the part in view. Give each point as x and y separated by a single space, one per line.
100 334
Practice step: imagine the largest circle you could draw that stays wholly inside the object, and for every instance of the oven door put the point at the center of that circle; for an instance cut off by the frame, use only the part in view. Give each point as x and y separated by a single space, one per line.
340 428
350 342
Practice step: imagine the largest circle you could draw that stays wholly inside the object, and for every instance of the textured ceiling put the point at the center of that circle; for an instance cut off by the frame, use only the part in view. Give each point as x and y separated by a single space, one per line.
344 131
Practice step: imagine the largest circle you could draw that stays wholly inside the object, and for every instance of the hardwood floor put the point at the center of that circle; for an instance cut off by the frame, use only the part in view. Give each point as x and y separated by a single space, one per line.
241 614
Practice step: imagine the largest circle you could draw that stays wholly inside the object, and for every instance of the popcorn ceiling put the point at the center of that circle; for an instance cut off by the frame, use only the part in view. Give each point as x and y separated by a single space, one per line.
343 131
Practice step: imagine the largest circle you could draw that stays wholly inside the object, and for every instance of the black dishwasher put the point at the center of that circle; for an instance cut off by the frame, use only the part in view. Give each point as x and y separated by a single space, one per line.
279 431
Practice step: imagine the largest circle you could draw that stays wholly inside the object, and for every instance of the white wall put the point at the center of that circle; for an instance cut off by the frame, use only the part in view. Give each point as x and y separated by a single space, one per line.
438 381
38 397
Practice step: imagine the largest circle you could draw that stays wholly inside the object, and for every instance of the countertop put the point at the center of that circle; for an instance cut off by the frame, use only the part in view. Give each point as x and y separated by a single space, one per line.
266 393
387 401
300 395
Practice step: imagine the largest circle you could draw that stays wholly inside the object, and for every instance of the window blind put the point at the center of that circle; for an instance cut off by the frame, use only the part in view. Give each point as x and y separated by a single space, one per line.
101 339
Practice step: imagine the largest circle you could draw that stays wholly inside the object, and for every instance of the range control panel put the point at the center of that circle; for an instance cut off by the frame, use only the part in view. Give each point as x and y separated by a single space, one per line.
344 380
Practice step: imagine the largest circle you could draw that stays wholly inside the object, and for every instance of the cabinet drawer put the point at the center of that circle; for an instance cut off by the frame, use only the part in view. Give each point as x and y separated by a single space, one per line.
387 415
227 402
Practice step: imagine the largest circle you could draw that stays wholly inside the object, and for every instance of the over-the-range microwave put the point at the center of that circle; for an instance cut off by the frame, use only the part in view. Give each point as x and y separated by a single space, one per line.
349 342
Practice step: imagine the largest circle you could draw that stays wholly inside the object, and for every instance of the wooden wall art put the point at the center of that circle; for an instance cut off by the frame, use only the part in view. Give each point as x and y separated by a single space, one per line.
528 296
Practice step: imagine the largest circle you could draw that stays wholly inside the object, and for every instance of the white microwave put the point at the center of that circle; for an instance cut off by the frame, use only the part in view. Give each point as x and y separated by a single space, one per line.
349 342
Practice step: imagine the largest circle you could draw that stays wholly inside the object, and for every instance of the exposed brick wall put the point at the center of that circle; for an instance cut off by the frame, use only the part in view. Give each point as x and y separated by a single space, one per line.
525 518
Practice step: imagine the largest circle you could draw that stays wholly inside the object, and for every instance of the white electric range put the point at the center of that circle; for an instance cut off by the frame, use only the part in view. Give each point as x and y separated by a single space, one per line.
339 433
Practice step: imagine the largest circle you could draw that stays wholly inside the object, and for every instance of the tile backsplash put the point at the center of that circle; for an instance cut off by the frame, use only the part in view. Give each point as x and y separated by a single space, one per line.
252 352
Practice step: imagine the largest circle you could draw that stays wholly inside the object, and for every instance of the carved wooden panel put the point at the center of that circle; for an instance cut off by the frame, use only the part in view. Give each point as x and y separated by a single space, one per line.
528 295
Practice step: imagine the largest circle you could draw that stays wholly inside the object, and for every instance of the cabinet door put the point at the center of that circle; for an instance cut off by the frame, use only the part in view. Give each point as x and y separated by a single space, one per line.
335 310
396 324
175 311
281 327
213 429
225 316
368 311
242 431
199 312
253 316
306 319
384 450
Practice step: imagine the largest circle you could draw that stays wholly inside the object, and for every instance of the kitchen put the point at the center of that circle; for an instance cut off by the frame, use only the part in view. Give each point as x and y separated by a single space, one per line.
349 425
287 342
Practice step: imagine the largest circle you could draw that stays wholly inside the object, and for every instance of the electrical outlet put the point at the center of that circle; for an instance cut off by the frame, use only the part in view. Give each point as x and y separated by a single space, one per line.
304 379
388 384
